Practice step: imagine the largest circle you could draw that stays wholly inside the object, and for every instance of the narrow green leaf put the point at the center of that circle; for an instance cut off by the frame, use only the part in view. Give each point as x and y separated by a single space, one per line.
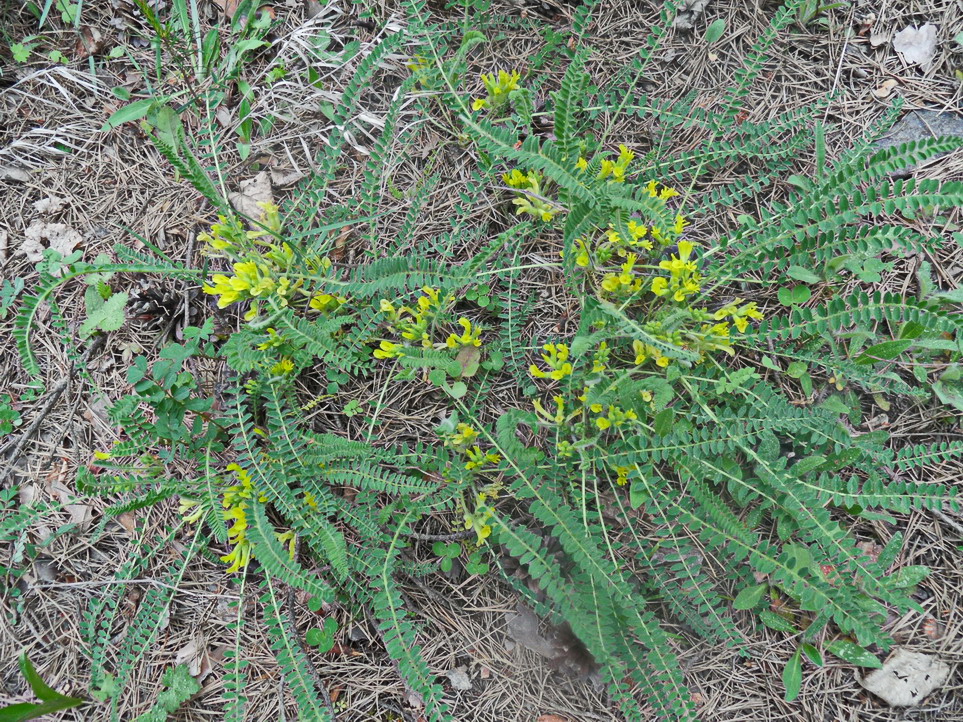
792 676
814 655
853 653
135 111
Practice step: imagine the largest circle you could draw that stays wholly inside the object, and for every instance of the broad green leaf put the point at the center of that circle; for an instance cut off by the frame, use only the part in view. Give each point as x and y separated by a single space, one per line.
803 274
457 390
108 317
750 597
777 622
884 351
853 653
907 577
664 421
806 465
135 111
715 30
794 295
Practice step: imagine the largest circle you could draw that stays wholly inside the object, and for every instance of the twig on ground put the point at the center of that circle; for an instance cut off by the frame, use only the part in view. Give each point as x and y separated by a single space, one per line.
55 394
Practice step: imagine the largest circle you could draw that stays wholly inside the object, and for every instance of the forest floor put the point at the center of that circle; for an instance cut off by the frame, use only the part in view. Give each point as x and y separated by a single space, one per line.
108 186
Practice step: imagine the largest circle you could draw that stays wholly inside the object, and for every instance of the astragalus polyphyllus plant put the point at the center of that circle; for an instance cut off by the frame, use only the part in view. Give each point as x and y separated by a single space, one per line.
648 467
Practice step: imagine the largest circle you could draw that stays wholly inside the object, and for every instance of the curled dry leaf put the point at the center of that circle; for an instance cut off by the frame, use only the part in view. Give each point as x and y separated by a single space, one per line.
89 42
8 172
197 658
49 205
906 678
252 192
885 89
916 45
58 236
690 11
459 679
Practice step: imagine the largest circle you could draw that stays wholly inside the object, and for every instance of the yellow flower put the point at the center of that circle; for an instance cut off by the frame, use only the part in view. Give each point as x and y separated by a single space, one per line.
557 360
478 459
463 436
387 349
186 505
479 103
640 352
516 179
581 164
240 556
680 224
583 258
289 538
282 367
559 416
659 286
603 423
326 302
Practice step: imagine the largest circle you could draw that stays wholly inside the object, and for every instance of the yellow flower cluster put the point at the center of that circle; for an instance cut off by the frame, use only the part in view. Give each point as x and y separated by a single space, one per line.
471 336
478 459
462 438
228 233
612 416
645 352
613 170
413 323
498 87
626 283
740 314
684 279
236 501
556 358
263 268
250 280
530 198
481 516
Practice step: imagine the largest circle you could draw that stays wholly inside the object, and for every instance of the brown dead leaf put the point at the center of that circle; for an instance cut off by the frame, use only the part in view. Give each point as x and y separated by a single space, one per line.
552 718
916 45
469 357
228 7
252 192
196 656
80 514
128 521
89 42
906 678
885 89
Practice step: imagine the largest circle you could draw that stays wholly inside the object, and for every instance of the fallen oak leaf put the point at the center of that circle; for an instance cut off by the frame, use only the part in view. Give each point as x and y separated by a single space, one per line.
916 45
